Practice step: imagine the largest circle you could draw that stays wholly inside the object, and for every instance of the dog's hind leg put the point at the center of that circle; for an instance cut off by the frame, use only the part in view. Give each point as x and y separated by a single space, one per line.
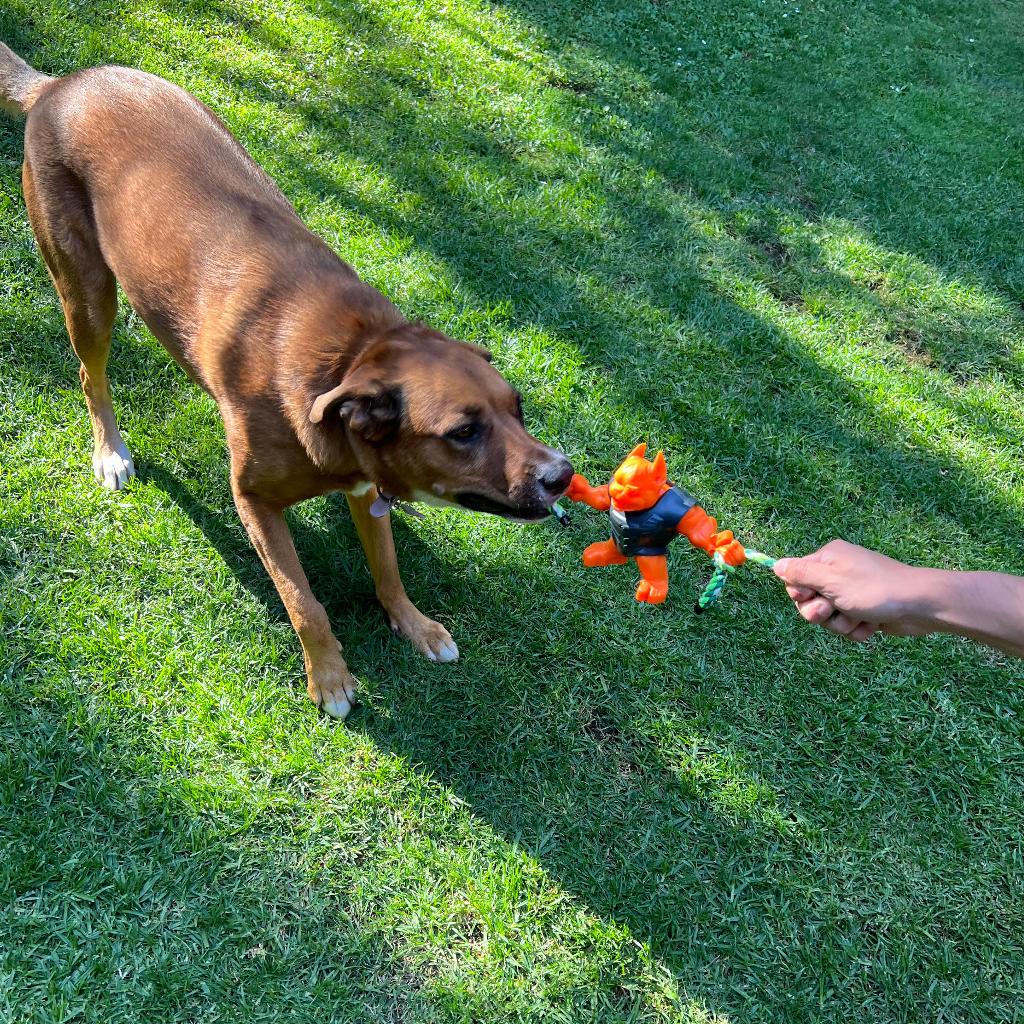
61 218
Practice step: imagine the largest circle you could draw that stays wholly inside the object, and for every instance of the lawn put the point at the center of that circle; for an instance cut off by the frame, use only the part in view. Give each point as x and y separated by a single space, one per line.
780 240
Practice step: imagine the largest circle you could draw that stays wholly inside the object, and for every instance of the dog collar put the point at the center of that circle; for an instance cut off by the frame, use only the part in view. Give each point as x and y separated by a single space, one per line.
386 503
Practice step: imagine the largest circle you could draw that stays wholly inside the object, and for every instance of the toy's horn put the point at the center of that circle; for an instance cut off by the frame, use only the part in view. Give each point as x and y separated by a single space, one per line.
660 469
638 450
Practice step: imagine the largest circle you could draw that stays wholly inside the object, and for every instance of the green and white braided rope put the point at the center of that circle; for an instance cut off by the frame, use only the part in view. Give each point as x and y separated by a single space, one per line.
721 574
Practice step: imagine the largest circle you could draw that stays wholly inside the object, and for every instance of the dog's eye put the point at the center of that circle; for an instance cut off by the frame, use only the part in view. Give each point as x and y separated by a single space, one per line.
466 433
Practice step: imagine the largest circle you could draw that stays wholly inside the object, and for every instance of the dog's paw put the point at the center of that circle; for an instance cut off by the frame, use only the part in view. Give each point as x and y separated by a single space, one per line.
332 690
113 469
430 638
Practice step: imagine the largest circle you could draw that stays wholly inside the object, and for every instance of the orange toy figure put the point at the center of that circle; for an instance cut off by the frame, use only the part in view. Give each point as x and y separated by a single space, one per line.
647 513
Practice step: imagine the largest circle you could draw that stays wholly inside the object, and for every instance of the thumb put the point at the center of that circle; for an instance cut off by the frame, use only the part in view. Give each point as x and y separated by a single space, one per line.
804 572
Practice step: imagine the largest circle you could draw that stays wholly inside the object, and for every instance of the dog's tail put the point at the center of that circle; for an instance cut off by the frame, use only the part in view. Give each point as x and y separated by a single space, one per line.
20 84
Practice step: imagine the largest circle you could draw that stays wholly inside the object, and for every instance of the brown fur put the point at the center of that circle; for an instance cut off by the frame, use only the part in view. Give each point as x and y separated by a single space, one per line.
322 383
20 84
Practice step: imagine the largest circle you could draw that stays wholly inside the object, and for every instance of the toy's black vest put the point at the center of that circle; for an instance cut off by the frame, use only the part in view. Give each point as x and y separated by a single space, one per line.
651 530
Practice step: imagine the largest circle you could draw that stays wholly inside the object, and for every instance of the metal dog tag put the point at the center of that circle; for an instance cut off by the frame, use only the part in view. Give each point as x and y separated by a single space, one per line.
386 503
381 507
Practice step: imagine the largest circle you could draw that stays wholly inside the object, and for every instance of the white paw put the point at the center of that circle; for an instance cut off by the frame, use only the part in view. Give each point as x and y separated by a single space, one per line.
333 689
337 707
430 638
114 469
446 652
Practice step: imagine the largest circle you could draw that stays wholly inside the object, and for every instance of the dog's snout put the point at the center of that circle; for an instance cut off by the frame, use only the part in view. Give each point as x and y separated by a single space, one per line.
556 476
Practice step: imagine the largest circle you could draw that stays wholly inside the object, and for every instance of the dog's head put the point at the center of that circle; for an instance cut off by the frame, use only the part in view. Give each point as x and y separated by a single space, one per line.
637 483
429 419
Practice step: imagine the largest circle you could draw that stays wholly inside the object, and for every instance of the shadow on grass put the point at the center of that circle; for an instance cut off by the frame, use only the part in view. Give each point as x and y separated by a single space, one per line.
185 916
614 764
340 578
781 134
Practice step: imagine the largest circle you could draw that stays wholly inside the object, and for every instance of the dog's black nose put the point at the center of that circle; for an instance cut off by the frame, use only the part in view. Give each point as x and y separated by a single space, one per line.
556 477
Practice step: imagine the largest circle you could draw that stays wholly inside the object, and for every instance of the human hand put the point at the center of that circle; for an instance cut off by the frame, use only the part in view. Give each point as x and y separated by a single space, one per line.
855 592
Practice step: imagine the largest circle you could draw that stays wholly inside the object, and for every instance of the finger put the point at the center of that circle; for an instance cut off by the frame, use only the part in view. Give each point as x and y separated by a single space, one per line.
800 593
865 631
804 572
841 624
815 556
816 611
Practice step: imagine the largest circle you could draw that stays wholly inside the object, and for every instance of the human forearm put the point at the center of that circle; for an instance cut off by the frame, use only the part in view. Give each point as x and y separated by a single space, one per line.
985 606
855 592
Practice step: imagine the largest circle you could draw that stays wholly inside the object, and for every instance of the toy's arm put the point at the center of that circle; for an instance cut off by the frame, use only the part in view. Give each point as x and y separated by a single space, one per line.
700 530
595 497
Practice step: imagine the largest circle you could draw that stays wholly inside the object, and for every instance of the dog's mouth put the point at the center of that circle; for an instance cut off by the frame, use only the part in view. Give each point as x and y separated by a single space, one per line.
481 503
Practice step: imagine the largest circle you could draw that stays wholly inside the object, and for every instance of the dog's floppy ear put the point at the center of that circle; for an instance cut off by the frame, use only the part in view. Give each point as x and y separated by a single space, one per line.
369 407
479 350
326 401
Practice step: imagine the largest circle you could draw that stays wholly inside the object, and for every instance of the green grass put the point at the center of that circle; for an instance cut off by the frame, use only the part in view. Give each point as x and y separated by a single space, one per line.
782 241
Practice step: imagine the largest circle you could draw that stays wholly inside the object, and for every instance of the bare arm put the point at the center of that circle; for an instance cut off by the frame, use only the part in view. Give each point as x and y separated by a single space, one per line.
855 592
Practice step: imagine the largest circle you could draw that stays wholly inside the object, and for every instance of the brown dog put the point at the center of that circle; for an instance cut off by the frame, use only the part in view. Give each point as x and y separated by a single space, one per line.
323 385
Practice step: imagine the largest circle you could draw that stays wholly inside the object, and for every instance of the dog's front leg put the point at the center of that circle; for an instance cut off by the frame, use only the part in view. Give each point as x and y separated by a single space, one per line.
329 683
430 638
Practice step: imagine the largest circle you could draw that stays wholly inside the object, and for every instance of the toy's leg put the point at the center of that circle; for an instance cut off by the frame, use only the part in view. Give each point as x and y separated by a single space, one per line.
654 586
603 553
